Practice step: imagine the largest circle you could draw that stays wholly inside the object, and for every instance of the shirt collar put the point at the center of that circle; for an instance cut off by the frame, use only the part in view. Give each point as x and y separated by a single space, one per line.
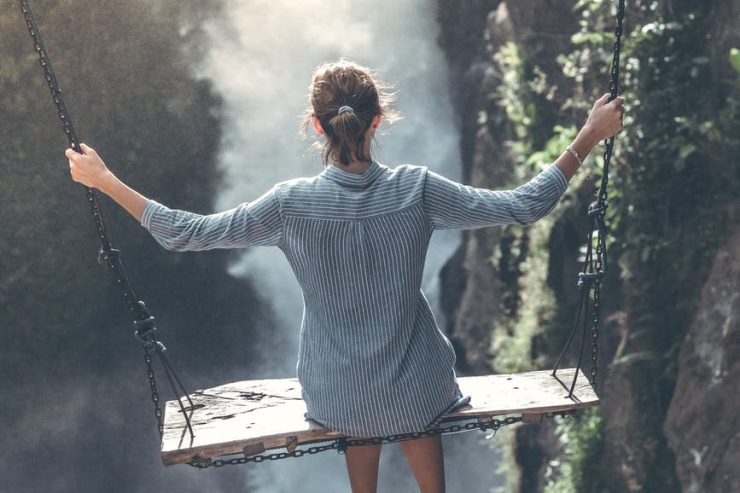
354 180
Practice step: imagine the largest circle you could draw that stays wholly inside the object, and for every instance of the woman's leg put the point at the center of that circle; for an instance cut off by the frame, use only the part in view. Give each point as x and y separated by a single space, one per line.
424 455
362 467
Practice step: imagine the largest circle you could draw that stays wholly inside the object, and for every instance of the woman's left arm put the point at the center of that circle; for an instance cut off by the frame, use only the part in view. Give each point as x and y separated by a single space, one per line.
452 205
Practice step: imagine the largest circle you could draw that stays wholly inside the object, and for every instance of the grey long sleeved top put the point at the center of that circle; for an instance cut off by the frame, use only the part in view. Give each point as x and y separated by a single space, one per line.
371 360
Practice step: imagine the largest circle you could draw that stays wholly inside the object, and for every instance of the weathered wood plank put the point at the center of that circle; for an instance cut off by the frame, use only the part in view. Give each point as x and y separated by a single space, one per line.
250 417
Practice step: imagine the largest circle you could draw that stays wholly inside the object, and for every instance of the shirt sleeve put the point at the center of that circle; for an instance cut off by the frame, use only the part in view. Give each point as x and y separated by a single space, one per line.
252 223
451 205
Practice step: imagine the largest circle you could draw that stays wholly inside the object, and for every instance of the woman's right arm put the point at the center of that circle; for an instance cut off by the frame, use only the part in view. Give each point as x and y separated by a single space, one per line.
255 223
90 170
250 224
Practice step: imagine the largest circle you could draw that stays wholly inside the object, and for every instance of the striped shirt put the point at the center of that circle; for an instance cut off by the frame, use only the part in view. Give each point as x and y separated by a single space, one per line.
371 360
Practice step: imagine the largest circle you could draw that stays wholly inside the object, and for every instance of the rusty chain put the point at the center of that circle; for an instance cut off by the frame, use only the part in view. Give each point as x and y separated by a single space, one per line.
595 266
341 444
143 321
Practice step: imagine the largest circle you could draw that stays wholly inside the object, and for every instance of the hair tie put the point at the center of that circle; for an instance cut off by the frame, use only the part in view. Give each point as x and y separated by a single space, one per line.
345 109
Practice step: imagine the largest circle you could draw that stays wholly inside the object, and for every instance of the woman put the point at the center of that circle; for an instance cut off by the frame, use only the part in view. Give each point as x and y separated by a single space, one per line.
372 361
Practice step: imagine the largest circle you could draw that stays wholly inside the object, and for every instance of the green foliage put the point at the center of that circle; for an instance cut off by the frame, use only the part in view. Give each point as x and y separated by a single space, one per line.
589 5
516 105
669 142
129 120
735 59
503 444
510 95
561 138
512 342
673 169
581 441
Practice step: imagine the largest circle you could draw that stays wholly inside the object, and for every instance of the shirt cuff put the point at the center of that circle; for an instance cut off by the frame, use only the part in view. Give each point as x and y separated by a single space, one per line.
558 176
149 209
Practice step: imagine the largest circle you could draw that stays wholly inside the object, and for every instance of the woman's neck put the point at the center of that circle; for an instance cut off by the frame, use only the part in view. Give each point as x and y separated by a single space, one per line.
354 166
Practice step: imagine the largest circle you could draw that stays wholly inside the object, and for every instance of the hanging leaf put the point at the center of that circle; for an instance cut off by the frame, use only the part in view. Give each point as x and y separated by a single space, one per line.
735 59
686 150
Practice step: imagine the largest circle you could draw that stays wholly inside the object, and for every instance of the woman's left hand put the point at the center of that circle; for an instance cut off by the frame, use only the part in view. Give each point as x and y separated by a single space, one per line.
87 168
605 118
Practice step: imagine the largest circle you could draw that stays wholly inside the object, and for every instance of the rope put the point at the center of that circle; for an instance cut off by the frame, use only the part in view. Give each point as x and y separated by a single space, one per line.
143 321
595 264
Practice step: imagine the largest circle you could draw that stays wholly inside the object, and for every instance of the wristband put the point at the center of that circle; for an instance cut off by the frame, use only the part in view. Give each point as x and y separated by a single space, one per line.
575 155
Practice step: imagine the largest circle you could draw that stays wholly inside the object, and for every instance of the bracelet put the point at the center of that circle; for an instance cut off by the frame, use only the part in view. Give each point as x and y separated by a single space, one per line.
575 155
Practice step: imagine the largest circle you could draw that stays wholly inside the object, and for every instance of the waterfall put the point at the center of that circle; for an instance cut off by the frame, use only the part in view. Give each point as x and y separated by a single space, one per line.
260 57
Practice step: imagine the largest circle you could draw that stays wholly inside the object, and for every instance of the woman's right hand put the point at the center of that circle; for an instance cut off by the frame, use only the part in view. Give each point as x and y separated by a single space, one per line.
605 118
87 168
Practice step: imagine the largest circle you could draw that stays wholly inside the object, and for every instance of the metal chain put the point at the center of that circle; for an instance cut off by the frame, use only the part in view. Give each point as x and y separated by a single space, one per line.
602 203
341 444
107 252
143 321
206 463
154 392
595 267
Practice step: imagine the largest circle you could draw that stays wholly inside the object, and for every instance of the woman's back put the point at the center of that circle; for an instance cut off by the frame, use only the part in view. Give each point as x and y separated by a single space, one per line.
372 360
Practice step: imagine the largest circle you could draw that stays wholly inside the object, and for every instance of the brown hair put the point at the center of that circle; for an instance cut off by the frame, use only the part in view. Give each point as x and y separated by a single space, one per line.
346 83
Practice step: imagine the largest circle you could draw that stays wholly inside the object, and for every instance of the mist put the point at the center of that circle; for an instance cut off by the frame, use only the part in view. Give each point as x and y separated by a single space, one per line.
164 87
260 57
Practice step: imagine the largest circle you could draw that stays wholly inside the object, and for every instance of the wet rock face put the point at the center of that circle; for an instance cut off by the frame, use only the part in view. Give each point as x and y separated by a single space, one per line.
702 422
475 287
636 457
478 281
471 32
669 370
470 285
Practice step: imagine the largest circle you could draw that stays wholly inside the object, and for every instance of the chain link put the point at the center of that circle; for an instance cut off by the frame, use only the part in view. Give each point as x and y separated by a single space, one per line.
107 254
206 463
601 253
154 391
595 267
341 444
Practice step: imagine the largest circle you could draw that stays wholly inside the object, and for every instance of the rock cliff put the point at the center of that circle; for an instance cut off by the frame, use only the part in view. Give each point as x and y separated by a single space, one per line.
669 339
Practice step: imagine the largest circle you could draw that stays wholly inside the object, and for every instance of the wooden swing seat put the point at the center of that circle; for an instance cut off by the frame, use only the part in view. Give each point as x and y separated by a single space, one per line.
252 416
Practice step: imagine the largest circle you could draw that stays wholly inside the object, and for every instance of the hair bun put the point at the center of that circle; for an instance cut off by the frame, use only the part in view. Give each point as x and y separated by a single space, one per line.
334 84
